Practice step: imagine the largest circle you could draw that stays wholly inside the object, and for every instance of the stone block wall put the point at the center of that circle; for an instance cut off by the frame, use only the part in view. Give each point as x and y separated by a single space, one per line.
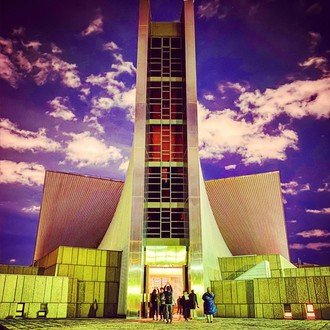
33 290
22 270
97 275
232 267
307 271
234 298
265 298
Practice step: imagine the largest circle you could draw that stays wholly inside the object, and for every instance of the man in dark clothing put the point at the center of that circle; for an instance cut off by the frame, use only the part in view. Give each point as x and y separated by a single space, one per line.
162 304
185 305
193 304
154 304
169 299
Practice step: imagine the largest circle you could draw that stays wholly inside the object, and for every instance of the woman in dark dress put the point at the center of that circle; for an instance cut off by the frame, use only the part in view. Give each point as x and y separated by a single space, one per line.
162 304
154 301
209 305
185 305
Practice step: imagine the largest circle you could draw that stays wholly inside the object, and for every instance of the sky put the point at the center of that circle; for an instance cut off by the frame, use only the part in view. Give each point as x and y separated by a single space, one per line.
67 91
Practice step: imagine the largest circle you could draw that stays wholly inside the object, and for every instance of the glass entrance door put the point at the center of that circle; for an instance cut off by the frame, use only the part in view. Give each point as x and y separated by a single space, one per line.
159 276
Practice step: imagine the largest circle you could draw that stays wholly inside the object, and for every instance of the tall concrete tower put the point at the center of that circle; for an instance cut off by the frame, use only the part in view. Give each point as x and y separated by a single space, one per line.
163 223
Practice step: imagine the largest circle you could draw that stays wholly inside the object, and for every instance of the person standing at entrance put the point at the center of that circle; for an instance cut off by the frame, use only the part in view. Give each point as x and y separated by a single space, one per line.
209 305
185 305
193 303
154 301
169 301
162 304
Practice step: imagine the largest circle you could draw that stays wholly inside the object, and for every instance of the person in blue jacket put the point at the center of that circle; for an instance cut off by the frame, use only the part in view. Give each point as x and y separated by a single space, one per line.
209 305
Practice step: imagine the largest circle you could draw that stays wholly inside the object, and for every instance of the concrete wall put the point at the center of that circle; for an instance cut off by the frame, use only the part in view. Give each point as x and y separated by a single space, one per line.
33 290
234 298
97 275
232 267
307 271
265 298
22 270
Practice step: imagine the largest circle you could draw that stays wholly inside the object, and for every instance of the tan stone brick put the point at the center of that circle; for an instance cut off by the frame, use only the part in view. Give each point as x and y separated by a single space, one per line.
241 292
274 294
67 255
91 256
297 311
320 290
268 311
230 310
28 288
9 288
302 289
278 311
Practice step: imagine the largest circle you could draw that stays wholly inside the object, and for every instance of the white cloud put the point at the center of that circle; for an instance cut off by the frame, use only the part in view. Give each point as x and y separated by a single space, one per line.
23 62
31 209
103 103
111 46
49 66
35 45
246 132
18 31
126 100
29 174
315 38
8 71
6 46
22 140
325 188
71 79
239 136
94 27
86 150
55 49
209 96
293 187
123 66
124 165
296 246
43 67
60 109
237 87
208 9
67 71
317 62
106 81
92 122
230 167
297 99
16 62
325 210
119 95
86 91
314 233
292 221
317 246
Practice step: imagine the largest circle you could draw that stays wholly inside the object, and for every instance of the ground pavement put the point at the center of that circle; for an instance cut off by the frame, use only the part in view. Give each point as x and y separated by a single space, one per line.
146 324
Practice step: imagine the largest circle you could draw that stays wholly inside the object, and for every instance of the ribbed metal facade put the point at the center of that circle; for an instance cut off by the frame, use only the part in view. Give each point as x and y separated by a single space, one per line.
76 211
249 213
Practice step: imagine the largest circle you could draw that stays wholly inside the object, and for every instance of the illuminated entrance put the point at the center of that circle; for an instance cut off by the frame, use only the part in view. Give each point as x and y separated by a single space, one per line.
159 276
166 264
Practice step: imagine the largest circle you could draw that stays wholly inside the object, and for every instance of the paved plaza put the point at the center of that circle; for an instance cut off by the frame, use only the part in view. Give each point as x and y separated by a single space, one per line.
100 324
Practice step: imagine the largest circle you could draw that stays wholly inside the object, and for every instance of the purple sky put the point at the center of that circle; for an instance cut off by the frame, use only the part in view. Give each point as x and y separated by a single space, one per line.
67 74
